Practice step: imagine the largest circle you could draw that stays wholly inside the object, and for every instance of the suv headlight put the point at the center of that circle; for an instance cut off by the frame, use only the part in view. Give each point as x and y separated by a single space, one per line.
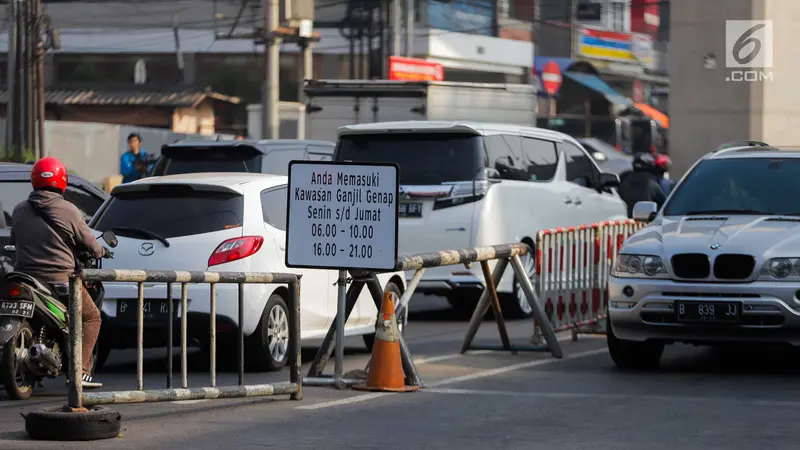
640 266
780 269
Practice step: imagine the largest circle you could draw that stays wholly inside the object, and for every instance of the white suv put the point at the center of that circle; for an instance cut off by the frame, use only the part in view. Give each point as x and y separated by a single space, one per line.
224 222
470 184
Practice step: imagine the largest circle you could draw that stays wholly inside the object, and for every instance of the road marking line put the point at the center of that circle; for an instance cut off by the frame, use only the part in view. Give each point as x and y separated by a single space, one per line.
446 381
633 397
513 367
562 338
431 359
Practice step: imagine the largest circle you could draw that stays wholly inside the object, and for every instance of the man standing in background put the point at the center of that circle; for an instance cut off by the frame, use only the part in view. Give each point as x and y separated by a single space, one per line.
134 164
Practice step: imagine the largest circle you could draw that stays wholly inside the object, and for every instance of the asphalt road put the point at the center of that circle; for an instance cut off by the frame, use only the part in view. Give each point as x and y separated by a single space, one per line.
700 399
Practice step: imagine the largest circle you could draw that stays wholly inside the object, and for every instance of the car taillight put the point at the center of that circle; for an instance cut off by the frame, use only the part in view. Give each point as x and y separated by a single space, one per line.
235 249
653 149
462 193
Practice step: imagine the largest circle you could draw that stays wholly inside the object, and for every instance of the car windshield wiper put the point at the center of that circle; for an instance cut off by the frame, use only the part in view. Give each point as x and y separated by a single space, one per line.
726 211
141 232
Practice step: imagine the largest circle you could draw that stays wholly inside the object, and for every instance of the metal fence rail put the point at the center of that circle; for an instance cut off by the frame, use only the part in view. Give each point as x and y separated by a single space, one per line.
505 254
573 266
294 387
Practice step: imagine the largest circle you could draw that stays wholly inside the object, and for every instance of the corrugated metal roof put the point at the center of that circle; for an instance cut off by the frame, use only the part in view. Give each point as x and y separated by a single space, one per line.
86 97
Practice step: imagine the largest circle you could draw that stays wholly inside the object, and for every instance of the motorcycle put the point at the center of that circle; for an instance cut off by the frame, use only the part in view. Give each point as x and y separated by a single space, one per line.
34 332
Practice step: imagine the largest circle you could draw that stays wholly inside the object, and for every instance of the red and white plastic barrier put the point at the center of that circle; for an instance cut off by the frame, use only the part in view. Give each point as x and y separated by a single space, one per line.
573 265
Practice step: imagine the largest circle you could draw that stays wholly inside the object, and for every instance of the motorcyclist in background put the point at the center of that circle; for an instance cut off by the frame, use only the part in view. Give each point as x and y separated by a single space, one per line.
641 185
48 231
663 164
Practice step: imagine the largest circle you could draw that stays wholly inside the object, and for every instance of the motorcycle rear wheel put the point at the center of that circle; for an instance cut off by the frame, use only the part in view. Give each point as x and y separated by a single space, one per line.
16 384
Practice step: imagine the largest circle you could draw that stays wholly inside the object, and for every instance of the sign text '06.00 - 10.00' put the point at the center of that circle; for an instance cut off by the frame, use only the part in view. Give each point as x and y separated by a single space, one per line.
342 216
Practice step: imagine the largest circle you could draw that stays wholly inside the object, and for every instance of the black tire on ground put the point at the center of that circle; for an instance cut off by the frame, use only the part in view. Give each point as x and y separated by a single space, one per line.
8 365
632 355
273 330
402 322
53 424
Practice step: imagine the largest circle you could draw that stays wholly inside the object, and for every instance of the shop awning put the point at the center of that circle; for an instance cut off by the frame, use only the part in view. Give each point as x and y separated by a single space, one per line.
596 84
653 113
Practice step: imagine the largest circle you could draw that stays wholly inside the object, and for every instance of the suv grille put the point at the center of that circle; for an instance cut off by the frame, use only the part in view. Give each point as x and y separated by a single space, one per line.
733 267
691 265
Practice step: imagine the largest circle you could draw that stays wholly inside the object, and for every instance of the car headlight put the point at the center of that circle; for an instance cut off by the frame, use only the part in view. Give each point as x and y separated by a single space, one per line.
640 266
780 269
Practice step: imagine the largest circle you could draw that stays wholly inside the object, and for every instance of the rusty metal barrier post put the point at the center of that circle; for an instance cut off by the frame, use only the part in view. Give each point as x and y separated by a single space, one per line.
77 400
573 266
505 255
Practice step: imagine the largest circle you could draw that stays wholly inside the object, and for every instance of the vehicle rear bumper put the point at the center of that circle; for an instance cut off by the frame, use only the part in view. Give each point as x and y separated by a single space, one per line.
769 312
119 334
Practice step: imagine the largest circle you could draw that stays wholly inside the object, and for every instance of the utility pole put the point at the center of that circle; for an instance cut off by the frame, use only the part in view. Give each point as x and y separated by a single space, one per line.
410 16
270 114
397 27
11 76
40 97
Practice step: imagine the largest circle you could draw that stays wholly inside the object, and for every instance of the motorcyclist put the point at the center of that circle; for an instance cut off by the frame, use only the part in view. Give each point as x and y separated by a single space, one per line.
48 231
640 185
663 164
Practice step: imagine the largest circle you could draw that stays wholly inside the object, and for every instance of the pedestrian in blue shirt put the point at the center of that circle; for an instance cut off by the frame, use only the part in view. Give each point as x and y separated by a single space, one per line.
135 163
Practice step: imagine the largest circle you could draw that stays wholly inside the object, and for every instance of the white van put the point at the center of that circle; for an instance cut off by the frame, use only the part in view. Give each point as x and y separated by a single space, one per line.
471 184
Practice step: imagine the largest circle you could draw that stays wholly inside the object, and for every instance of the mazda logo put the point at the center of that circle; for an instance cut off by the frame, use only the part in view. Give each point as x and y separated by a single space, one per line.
147 249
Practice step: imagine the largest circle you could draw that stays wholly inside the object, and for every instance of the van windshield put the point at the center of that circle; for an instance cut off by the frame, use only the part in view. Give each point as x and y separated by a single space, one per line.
424 159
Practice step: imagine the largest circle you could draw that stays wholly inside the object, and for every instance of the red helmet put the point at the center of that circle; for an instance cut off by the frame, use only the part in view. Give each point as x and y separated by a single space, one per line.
663 162
49 172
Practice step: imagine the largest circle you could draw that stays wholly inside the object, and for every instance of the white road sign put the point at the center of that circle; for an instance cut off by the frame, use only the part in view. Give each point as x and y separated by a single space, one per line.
342 216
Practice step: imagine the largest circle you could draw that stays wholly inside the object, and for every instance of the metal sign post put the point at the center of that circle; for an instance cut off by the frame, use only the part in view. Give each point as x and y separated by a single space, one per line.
342 216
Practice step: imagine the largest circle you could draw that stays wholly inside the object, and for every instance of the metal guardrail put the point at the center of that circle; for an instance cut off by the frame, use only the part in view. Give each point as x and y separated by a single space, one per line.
573 266
77 400
504 254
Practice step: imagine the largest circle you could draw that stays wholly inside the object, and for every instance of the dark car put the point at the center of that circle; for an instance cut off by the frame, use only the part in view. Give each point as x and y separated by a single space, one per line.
268 156
15 185
607 156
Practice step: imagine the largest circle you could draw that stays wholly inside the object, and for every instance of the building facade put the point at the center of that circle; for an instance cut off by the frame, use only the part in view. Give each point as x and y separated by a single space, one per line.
711 103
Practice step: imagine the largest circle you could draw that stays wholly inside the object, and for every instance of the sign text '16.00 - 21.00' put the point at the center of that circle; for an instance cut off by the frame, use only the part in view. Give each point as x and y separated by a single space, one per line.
342 215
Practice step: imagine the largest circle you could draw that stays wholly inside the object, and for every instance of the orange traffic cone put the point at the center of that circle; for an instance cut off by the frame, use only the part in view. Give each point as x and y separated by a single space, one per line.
386 366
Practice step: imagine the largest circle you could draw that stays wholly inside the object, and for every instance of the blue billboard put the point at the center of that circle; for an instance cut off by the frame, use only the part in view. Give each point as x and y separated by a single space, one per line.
462 16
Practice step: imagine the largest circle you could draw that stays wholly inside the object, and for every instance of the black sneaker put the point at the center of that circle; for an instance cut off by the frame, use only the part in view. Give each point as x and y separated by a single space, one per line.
88 383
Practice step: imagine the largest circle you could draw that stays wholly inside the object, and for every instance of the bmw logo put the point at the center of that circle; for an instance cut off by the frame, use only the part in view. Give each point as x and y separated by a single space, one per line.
715 246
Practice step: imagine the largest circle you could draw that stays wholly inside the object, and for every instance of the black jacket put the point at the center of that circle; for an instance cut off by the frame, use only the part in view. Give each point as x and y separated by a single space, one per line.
640 187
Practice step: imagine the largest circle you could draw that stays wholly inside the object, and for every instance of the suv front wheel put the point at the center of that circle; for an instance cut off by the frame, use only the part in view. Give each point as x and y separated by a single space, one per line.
631 355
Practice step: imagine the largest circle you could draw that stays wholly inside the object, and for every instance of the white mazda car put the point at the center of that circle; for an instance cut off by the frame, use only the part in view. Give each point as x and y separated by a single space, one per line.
224 222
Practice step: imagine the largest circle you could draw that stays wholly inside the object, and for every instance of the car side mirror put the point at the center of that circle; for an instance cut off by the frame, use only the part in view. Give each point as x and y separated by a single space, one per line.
110 238
492 173
607 181
645 211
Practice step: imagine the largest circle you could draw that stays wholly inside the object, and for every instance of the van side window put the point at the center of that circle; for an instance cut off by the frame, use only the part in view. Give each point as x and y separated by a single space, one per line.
273 207
540 158
580 169
504 153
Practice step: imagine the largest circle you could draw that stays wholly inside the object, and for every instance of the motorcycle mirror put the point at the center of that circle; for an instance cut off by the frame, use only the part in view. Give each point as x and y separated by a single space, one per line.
110 238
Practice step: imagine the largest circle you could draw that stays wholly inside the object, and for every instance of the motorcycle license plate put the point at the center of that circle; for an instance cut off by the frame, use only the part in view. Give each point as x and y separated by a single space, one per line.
21 308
